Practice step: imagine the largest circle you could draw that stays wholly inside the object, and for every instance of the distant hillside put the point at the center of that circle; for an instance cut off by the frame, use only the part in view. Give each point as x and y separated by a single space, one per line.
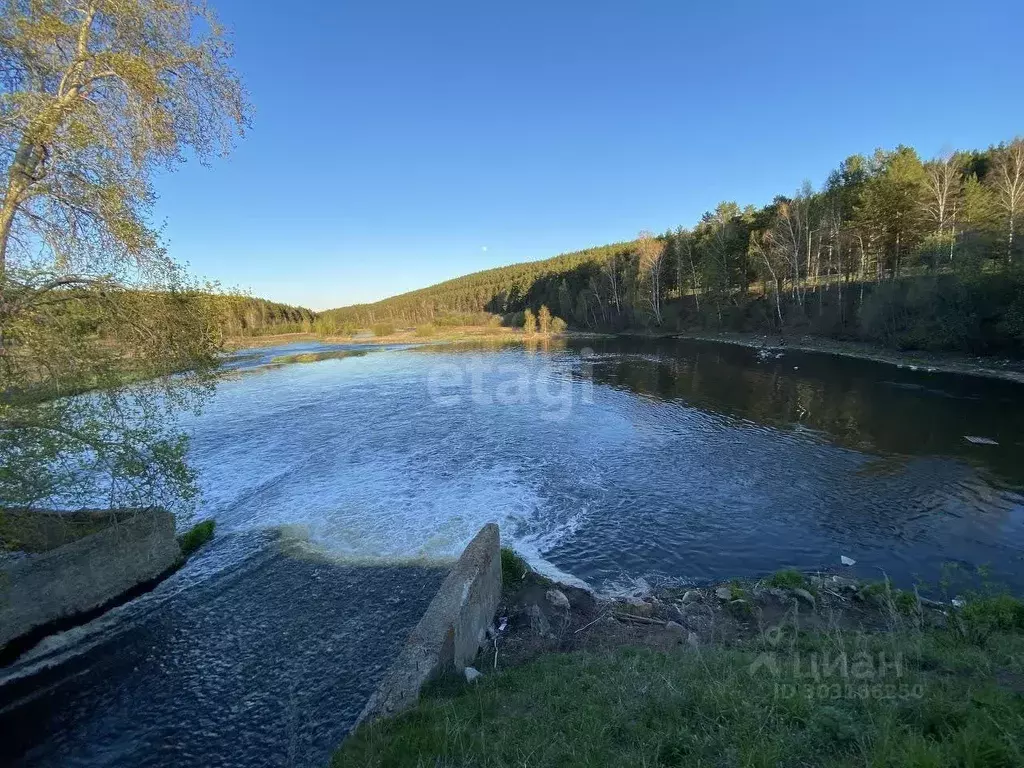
499 291
890 249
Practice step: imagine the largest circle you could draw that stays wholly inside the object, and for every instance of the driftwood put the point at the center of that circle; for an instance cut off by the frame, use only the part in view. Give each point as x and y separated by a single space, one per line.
638 619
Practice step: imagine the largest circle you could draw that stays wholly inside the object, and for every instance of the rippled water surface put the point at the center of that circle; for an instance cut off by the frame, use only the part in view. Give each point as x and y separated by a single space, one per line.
631 463
623 464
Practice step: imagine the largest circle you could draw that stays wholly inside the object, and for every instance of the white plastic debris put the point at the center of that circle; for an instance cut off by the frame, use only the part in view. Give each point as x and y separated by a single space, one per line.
847 560
977 440
471 673
958 602
503 624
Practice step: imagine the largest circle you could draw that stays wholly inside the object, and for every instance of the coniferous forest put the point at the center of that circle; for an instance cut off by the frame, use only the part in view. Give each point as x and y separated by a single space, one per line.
890 249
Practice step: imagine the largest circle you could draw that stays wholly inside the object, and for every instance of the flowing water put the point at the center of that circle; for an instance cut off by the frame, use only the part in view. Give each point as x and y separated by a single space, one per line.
343 479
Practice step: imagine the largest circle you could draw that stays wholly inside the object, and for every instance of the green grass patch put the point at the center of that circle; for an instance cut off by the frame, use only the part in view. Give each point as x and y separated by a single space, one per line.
788 578
195 537
901 600
914 698
513 568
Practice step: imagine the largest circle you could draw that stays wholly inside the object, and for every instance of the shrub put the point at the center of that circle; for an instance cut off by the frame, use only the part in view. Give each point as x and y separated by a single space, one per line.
1000 613
529 322
195 537
424 331
558 325
787 579
382 329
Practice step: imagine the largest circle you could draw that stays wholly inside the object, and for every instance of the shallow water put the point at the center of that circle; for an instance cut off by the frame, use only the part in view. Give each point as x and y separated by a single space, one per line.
338 481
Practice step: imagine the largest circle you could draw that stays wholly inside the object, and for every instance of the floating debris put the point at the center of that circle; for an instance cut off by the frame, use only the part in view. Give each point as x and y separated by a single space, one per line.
980 440
958 602
847 560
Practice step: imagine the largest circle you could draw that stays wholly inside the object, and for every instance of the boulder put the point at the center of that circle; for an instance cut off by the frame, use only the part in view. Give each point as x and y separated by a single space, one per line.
558 599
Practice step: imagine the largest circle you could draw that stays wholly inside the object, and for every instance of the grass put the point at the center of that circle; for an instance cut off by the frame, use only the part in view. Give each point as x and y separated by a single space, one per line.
900 600
513 568
195 537
914 696
788 579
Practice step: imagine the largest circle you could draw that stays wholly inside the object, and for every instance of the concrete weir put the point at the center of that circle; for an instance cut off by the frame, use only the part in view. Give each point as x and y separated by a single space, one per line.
59 581
451 631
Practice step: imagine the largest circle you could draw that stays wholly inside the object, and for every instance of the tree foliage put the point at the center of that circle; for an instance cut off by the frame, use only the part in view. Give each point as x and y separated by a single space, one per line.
809 260
94 97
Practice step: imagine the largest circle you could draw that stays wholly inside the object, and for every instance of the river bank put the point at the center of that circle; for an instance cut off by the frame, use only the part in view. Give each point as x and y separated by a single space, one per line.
992 368
793 669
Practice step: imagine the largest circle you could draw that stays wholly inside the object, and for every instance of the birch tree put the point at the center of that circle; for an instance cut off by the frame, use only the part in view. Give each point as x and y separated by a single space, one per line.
1007 181
943 183
650 258
96 95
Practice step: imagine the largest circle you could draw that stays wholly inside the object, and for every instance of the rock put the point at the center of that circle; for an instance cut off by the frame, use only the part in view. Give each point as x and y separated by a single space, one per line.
638 607
538 621
693 641
471 673
723 593
691 596
675 626
804 595
777 593
558 599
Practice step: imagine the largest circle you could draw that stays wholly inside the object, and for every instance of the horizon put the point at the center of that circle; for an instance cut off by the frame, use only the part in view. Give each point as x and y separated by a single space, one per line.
403 146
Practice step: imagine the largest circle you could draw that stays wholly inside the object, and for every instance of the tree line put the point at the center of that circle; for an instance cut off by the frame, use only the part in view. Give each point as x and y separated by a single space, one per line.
248 316
890 248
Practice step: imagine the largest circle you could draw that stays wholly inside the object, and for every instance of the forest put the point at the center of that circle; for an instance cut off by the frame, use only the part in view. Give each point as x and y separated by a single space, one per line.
248 316
890 249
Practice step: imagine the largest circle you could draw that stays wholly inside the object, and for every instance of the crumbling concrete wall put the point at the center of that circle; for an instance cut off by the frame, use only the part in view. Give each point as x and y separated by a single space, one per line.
43 587
451 631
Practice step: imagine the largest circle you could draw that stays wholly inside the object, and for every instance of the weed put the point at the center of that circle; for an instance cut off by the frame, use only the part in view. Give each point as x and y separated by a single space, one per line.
513 568
195 537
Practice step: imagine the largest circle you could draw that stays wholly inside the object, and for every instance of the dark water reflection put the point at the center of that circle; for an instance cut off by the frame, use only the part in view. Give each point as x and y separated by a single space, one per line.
861 404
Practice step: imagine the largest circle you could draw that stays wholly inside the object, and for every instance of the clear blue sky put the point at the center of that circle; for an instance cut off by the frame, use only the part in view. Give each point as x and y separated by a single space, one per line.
396 144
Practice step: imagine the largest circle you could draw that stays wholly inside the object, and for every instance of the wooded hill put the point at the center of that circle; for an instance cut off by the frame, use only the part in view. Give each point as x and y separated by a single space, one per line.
890 249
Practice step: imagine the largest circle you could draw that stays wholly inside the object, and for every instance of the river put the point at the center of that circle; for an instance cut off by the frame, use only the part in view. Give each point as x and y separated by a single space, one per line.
343 479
